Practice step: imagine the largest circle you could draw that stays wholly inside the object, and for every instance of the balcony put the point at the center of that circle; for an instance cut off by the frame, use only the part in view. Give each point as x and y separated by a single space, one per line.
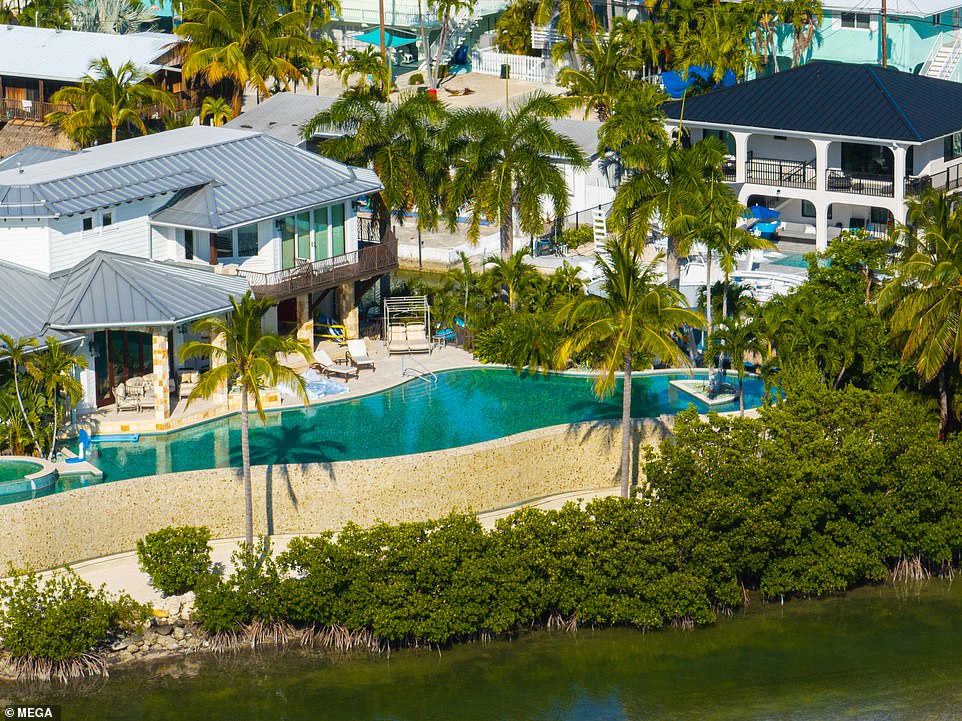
784 173
371 259
844 181
948 179
34 111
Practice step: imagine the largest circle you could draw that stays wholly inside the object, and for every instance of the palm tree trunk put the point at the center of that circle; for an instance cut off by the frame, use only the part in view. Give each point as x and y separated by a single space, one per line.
725 298
113 133
442 39
741 391
428 71
672 267
611 15
626 429
507 233
944 404
237 99
246 464
708 292
56 418
23 411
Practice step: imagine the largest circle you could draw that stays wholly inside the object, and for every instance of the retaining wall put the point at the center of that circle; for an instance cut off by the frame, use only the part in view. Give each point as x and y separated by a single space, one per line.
107 519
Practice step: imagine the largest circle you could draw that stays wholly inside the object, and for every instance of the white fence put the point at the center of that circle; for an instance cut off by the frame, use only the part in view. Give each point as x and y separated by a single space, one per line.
523 67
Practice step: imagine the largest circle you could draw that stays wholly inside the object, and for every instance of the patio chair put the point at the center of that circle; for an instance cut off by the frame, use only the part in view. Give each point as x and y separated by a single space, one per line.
188 381
135 386
323 363
147 399
125 402
358 355
418 341
397 340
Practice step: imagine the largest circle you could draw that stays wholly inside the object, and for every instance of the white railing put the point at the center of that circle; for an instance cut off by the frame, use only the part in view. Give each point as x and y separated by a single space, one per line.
931 56
398 14
523 67
954 58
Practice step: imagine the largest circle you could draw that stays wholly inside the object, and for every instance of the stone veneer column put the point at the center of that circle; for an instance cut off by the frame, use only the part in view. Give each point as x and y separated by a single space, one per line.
348 309
219 340
305 321
161 353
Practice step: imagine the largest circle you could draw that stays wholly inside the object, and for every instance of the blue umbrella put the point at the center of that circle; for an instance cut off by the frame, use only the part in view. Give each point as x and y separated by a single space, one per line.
763 213
373 37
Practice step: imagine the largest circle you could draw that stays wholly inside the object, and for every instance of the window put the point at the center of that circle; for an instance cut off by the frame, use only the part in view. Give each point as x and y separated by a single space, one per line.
337 230
723 135
879 216
857 21
808 210
302 225
106 219
189 244
247 241
322 247
224 243
88 223
937 19
952 147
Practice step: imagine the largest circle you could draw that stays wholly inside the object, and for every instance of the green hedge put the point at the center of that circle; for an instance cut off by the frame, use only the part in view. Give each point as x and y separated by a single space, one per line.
175 557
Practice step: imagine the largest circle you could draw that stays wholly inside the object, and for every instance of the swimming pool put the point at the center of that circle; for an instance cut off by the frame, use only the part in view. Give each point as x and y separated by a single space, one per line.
463 407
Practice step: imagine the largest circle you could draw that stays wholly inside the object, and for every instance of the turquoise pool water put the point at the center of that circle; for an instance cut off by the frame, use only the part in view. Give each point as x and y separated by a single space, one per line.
793 261
463 407
16 470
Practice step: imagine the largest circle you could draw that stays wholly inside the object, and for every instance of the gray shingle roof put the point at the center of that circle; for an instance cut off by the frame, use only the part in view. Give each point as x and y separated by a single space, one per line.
66 55
282 115
26 297
842 99
252 177
112 290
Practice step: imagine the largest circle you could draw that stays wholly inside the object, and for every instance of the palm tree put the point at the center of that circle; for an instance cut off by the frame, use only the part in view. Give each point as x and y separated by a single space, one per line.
374 76
246 42
16 351
106 98
446 11
398 141
463 277
670 181
576 21
513 28
604 74
53 369
248 357
513 274
735 337
637 120
924 300
109 16
634 316
217 109
804 16
508 162
730 242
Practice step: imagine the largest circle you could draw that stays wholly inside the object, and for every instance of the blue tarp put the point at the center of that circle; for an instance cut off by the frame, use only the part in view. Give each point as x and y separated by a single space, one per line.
675 86
373 37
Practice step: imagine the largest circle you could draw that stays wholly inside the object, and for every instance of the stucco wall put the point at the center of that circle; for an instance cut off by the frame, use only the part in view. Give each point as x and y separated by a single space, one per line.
107 519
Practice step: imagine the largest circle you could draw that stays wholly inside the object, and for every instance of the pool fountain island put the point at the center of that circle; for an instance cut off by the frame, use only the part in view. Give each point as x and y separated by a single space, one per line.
712 391
23 474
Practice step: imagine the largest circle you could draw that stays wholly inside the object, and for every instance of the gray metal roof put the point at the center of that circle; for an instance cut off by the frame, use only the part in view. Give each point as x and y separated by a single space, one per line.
583 132
66 55
251 177
109 290
32 154
26 297
282 115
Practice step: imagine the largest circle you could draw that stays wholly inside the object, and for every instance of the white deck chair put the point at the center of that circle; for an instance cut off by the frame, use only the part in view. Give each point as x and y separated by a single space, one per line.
358 355
323 362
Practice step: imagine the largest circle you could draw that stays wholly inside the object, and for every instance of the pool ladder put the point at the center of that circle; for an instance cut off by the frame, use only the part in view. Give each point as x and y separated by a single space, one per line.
420 371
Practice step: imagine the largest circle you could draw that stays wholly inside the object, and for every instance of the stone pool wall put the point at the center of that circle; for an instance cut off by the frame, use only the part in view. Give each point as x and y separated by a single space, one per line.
106 519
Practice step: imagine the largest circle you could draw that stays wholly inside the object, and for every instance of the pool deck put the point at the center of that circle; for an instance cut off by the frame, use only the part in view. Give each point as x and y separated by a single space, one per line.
388 372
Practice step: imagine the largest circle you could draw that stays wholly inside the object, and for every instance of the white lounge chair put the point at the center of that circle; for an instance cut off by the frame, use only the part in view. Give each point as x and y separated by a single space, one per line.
397 341
323 362
417 338
358 355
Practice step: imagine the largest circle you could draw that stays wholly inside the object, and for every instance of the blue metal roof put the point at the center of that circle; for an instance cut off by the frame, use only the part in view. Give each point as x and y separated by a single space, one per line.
841 99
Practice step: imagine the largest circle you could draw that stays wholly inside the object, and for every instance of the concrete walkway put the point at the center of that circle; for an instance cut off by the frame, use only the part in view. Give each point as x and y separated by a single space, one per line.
121 573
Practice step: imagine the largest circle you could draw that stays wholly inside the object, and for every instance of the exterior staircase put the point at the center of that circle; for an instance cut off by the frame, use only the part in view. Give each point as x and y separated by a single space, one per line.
944 58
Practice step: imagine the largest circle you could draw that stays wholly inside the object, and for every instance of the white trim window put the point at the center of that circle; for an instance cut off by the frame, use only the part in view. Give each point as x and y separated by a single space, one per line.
857 21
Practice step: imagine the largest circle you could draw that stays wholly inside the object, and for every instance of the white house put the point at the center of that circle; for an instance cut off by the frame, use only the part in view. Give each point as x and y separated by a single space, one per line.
121 246
833 145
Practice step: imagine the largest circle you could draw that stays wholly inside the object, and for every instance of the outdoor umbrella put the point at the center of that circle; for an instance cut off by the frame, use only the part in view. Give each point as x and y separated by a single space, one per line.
763 213
373 37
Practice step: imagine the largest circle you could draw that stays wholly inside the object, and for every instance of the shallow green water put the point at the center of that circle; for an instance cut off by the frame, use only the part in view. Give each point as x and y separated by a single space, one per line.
463 407
878 653
16 470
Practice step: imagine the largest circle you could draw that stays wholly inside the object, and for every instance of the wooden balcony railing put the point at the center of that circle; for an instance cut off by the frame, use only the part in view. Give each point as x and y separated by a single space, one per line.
36 110
369 260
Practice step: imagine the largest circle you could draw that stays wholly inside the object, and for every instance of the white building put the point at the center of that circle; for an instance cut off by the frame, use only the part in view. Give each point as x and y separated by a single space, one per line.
832 145
121 246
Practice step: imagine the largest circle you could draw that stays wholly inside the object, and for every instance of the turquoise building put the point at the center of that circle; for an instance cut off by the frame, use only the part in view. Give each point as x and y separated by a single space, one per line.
923 37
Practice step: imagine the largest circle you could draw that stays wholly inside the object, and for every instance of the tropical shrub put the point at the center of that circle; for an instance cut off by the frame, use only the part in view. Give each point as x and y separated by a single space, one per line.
175 557
249 593
416 79
52 626
576 237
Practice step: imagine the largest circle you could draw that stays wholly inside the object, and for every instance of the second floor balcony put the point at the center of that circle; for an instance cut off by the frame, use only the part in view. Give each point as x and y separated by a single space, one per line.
373 257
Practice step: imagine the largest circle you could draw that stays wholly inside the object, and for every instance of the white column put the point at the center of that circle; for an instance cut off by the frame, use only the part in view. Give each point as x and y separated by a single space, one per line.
821 164
821 225
898 190
741 156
